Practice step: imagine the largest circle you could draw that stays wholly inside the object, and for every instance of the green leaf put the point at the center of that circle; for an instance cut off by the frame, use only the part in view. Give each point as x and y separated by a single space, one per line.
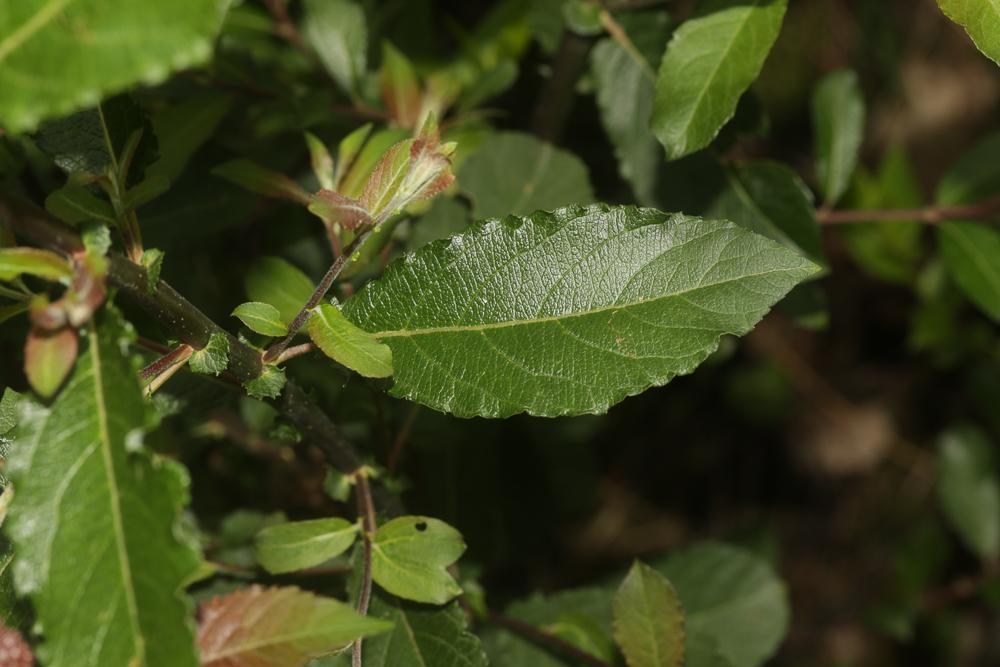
625 86
410 555
975 176
268 384
213 358
255 178
731 597
299 545
341 340
981 19
182 128
838 110
277 627
355 175
770 199
152 260
969 489
971 251
35 262
583 17
421 635
649 620
54 60
888 251
48 359
321 161
273 280
95 523
518 174
75 204
568 312
710 61
146 191
336 29
262 318
401 90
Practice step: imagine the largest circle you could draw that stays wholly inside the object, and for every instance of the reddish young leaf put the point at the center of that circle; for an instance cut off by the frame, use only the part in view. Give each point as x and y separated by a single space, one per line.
277 627
335 208
48 358
14 651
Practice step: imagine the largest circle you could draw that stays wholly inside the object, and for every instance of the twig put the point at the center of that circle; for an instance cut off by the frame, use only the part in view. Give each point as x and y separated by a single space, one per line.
188 324
275 351
366 510
931 215
544 639
618 33
294 351
283 24
164 368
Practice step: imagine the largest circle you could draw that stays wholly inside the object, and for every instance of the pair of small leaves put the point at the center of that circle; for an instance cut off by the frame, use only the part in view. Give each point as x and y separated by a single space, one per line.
278 627
410 554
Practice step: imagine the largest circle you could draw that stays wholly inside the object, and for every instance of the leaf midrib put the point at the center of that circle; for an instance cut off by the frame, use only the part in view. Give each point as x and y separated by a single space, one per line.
116 513
457 328
45 15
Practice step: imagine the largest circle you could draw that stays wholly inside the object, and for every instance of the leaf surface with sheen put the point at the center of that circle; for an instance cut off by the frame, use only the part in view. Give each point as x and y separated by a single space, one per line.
409 557
568 312
342 340
710 61
981 19
298 545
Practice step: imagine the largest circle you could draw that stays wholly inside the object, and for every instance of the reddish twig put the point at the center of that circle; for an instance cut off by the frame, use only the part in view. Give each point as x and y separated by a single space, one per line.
366 510
163 368
931 215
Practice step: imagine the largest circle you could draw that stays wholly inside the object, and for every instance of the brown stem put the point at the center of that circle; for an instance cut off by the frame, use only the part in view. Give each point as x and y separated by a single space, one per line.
366 510
295 351
275 351
186 323
618 33
931 215
283 24
544 639
164 368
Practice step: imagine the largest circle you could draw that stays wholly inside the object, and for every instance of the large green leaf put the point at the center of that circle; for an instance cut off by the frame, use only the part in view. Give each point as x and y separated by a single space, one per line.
277 282
625 81
969 488
981 19
516 173
838 110
648 619
770 199
710 61
731 599
59 55
568 312
95 521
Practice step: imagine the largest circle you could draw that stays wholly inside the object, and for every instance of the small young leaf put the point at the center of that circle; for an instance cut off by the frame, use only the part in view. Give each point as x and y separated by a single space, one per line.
146 191
321 161
287 547
341 340
152 259
969 489
410 555
48 358
213 358
838 111
277 627
336 29
268 384
981 19
356 172
612 314
400 87
74 204
347 152
336 209
264 181
262 318
275 281
35 262
514 173
649 620
710 61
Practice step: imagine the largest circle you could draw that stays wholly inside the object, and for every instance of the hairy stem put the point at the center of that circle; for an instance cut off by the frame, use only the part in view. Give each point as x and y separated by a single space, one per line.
163 368
987 209
366 510
275 351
